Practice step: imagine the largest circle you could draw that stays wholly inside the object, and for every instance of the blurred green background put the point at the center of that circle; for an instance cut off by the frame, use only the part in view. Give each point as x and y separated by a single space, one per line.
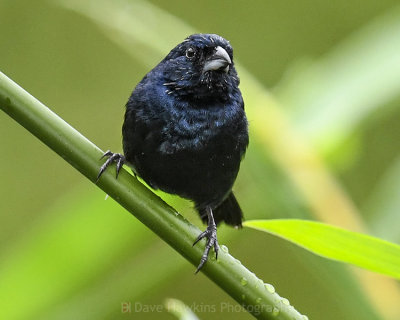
326 76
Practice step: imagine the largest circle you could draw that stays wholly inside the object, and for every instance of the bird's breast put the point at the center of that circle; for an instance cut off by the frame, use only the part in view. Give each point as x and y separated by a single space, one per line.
201 129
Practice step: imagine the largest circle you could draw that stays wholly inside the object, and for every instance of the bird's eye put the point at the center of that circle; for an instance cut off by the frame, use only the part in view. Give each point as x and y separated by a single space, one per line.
190 53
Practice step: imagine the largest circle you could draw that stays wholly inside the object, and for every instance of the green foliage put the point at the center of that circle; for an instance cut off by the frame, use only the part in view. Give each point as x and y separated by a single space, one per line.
329 98
336 243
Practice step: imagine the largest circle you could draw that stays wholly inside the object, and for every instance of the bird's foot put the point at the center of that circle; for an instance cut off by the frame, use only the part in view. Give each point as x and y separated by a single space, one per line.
118 158
211 234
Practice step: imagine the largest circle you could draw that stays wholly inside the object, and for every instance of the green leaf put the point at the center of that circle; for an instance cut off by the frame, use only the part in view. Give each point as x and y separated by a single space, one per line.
331 242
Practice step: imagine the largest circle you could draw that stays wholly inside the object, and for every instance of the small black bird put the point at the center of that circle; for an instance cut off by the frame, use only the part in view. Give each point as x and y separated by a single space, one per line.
185 130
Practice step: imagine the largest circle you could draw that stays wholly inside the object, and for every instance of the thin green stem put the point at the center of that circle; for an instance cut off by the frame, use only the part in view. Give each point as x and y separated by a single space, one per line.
227 272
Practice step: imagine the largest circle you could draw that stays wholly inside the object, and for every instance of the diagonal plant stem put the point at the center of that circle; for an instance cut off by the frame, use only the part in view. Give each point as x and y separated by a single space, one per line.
258 298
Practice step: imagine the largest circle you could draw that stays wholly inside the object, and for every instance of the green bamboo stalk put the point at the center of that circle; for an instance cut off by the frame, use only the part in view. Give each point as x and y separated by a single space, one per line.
258 298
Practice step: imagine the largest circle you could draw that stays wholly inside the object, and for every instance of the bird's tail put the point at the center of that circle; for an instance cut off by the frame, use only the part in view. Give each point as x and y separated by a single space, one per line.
228 211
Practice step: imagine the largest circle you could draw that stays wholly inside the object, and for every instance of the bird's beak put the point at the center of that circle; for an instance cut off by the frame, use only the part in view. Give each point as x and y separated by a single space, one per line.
219 60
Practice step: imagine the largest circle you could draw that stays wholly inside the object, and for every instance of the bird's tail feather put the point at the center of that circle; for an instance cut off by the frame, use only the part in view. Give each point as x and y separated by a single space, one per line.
228 211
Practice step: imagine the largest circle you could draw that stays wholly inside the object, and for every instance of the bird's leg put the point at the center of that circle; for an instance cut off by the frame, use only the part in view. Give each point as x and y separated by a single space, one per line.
118 158
211 234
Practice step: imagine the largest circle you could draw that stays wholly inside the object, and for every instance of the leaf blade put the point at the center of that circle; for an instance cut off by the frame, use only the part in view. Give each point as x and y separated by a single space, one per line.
335 243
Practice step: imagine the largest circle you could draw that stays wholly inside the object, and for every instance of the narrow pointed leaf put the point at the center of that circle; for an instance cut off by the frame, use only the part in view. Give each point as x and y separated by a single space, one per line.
331 242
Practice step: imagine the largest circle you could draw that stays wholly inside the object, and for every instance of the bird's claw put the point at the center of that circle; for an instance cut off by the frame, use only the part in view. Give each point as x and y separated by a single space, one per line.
118 158
211 234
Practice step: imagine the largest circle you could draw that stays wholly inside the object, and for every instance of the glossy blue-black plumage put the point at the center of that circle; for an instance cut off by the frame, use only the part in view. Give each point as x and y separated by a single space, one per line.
185 129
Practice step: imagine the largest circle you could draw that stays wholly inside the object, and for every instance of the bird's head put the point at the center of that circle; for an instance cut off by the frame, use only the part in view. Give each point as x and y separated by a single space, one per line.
201 67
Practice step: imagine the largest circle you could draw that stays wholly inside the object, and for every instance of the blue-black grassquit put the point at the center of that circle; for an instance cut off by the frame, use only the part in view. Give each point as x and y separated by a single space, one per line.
185 130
